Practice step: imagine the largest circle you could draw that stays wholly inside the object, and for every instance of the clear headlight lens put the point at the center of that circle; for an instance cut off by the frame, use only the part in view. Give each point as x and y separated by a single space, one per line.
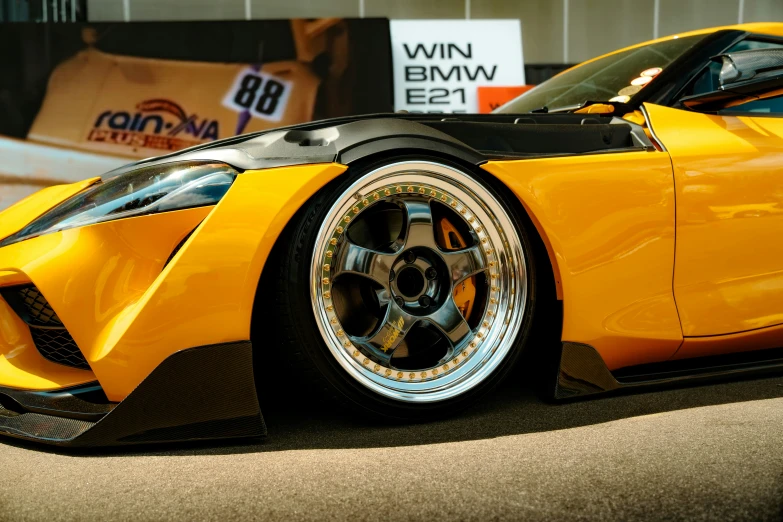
148 190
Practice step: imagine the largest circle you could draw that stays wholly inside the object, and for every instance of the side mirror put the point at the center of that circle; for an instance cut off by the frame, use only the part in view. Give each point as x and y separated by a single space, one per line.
744 76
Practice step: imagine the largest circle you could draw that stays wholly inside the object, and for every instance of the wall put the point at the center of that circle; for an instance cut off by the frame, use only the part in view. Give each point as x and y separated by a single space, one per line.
593 27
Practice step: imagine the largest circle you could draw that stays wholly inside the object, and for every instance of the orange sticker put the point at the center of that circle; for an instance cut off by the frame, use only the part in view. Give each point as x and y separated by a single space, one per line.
490 98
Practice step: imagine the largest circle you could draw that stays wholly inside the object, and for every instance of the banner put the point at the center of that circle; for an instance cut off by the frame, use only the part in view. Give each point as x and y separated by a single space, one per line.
440 64
79 99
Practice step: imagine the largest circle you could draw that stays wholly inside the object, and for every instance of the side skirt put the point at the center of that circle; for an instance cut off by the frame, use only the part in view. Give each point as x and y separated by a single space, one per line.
582 371
195 394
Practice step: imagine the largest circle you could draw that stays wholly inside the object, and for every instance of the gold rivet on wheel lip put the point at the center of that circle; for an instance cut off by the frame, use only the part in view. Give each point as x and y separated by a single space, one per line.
332 242
398 189
347 219
329 252
433 193
339 230
365 202
410 188
327 295
330 308
355 210
325 280
326 268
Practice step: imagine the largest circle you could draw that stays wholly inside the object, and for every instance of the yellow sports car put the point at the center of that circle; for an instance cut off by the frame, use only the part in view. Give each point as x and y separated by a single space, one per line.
628 209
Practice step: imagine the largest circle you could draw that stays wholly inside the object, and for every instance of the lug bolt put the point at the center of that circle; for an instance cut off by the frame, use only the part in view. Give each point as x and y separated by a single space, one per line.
425 301
391 275
399 301
410 257
431 273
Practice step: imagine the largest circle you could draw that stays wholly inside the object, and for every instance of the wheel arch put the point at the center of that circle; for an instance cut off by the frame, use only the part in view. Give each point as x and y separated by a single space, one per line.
396 148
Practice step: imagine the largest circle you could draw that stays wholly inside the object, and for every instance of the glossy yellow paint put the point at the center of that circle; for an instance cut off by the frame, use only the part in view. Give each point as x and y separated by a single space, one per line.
608 220
761 339
15 217
88 275
729 179
21 366
126 312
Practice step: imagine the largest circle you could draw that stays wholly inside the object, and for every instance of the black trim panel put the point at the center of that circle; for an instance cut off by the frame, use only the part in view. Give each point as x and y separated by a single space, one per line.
583 372
199 393
471 138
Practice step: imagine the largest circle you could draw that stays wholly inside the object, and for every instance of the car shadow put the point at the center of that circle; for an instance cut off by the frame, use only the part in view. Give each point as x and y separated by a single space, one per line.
511 410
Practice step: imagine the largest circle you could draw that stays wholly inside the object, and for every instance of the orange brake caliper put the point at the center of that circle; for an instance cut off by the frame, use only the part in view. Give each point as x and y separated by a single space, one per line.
465 292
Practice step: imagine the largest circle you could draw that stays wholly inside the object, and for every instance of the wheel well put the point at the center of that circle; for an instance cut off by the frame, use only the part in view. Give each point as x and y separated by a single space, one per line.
547 325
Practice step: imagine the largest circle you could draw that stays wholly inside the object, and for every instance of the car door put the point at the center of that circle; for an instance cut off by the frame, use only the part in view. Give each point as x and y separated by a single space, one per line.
728 175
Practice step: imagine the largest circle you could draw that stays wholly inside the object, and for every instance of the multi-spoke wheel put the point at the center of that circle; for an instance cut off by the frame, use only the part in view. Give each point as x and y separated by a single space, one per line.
420 288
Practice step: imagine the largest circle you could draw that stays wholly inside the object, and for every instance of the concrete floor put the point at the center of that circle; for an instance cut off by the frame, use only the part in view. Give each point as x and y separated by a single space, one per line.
700 453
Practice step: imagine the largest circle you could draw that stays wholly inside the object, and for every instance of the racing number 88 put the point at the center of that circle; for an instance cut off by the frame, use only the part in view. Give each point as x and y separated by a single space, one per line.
269 96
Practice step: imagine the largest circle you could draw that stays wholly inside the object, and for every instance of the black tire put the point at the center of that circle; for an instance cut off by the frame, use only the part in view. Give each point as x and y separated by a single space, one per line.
300 342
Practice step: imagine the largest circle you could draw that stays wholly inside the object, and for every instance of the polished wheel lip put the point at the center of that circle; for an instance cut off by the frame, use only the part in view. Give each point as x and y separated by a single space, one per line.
494 337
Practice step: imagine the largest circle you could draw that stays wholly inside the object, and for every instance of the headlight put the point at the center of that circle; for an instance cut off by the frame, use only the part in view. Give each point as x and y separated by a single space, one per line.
147 190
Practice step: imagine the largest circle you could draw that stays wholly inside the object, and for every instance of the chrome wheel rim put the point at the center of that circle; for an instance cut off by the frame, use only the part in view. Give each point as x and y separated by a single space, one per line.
414 281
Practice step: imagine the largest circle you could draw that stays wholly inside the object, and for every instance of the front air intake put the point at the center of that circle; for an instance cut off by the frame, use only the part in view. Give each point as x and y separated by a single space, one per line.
50 336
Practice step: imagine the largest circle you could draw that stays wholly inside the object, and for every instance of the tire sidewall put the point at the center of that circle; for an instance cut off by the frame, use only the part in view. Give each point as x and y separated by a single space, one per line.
295 280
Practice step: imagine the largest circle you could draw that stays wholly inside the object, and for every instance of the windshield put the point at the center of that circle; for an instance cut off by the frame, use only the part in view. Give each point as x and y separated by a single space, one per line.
616 77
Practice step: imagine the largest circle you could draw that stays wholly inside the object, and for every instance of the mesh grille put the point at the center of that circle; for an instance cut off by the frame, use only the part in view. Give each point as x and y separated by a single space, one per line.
57 345
38 309
49 335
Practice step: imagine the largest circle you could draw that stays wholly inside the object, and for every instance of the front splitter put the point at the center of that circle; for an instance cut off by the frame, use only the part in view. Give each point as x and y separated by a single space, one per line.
200 393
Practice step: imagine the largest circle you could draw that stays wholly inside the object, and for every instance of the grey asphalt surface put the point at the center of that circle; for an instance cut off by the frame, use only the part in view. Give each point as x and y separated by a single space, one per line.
699 453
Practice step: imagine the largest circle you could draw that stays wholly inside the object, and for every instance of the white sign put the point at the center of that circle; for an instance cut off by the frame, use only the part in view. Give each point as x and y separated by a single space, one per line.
439 64
259 94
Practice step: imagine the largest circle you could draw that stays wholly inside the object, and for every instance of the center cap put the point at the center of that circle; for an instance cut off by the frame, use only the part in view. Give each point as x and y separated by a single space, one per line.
410 282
